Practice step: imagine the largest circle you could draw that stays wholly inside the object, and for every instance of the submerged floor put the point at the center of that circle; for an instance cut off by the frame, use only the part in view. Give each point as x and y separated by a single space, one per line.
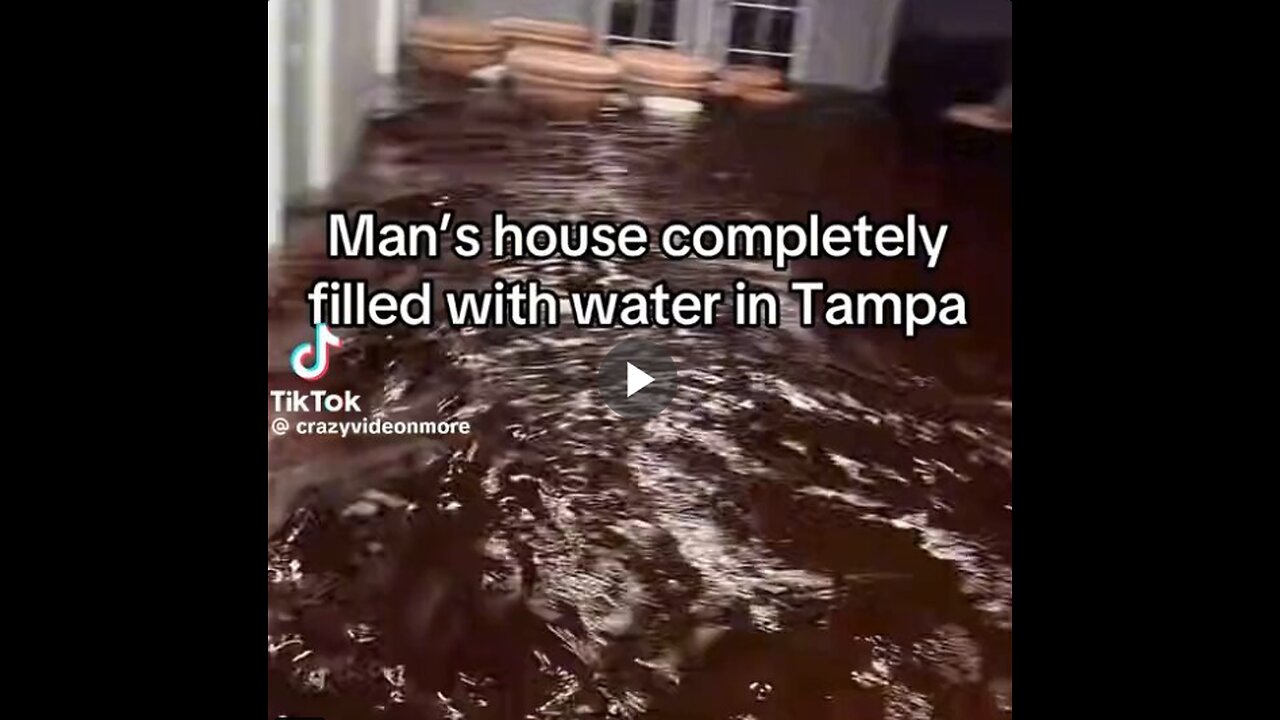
819 526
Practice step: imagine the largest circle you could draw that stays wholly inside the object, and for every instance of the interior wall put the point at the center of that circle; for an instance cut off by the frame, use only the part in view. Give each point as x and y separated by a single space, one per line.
355 73
296 92
275 124
336 65
850 42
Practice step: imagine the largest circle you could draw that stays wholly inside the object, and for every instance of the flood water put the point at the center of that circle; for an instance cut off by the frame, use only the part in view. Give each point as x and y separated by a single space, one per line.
819 525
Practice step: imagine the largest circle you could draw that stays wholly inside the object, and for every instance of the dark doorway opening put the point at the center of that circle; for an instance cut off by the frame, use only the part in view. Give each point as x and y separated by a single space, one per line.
949 51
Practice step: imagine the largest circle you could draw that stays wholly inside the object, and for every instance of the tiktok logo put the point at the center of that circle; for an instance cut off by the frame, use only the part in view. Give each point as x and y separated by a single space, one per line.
316 352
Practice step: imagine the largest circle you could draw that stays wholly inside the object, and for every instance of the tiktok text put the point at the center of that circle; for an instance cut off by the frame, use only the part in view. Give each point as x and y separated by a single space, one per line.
320 401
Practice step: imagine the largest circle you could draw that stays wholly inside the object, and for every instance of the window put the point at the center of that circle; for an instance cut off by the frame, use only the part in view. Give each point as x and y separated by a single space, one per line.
646 22
748 32
763 33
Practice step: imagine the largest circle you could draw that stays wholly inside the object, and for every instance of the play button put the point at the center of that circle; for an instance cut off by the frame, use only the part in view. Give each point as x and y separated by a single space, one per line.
637 379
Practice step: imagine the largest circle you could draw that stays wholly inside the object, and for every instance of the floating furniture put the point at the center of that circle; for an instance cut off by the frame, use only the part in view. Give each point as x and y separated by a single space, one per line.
525 32
455 47
491 75
767 97
752 76
621 100
722 89
670 107
755 85
650 72
996 116
736 78
563 83
983 117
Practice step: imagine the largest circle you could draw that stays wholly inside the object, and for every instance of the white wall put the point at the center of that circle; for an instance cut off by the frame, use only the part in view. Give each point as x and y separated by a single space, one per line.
323 58
343 58
275 124
297 91
355 73
851 42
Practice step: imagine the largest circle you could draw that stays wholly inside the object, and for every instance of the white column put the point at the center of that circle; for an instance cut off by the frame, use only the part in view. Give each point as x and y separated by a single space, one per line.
320 96
388 42
275 123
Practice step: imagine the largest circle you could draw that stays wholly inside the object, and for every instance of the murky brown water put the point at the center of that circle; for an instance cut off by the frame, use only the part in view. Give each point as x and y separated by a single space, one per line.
818 526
